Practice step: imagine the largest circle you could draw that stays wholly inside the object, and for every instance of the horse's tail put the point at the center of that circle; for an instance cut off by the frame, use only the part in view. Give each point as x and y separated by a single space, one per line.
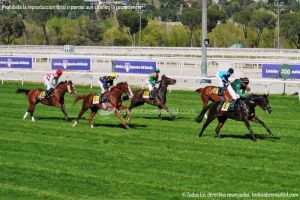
199 90
201 115
78 98
20 90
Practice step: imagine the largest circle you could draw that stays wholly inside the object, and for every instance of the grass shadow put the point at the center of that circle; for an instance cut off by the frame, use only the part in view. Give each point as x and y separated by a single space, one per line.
134 126
56 118
247 136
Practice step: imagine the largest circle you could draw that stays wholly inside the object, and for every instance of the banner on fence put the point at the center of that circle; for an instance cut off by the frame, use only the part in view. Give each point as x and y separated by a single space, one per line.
133 67
71 63
15 62
280 71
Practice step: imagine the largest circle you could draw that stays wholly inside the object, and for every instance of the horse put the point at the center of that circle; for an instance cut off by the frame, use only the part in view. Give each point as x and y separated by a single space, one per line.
115 103
207 93
243 111
56 99
160 97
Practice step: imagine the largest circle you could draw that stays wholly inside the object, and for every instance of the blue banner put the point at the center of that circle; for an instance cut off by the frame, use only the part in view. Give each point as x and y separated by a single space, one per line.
15 62
71 63
133 67
273 71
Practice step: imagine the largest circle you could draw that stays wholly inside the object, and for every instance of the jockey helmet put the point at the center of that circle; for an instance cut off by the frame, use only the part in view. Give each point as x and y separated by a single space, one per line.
245 80
157 70
59 72
230 70
113 75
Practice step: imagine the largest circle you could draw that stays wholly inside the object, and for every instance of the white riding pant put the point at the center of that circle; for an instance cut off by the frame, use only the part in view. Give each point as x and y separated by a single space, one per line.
150 86
221 84
101 86
48 84
233 94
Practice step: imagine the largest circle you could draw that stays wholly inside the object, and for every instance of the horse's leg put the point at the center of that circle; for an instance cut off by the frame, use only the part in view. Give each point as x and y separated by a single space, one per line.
94 111
167 109
63 109
128 114
121 118
159 112
208 121
30 111
204 104
250 130
222 121
255 119
83 110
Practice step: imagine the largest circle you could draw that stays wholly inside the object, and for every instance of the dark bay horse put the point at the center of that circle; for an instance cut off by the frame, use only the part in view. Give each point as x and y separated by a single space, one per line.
56 99
243 111
115 103
207 93
160 97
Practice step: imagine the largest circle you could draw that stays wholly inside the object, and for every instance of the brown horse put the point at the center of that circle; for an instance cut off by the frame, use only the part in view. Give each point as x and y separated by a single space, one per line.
207 93
56 99
244 111
115 103
160 98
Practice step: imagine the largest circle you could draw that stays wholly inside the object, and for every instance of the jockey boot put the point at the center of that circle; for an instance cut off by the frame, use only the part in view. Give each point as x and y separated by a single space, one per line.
232 105
152 95
103 98
48 93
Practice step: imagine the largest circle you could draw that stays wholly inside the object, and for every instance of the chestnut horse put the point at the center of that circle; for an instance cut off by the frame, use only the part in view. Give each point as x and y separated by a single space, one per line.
115 103
56 99
207 93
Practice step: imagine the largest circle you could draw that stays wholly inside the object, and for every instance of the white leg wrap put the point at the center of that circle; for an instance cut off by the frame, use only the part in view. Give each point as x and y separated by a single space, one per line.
25 115
32 118
75 123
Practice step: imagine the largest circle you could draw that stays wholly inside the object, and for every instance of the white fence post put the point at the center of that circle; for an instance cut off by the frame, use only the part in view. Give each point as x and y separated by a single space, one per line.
91 82
22 78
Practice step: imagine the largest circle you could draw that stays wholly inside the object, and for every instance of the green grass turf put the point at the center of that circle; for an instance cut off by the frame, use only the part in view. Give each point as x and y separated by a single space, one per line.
48 159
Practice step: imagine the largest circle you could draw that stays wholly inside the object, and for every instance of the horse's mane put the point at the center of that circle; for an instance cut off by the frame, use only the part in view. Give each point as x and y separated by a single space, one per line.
62 82
121 83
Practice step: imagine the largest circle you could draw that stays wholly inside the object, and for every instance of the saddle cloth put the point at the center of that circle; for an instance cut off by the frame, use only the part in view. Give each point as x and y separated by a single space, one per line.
146 94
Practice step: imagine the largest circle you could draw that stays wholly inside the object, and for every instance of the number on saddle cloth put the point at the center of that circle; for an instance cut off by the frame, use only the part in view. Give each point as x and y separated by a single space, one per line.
218 90
146 94
96 99
228 106
42 95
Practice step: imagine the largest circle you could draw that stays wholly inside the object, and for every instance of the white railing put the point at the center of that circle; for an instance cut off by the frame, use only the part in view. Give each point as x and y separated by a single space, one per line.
140 78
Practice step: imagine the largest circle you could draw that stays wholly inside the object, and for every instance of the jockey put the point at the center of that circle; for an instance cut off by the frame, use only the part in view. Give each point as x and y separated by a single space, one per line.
225 83
105 83
240 86
51 80
153 79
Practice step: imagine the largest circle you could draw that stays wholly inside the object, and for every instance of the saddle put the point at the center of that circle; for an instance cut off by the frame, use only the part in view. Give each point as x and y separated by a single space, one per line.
101 98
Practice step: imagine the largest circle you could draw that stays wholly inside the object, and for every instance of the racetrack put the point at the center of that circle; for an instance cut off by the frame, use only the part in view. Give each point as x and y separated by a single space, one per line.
152 160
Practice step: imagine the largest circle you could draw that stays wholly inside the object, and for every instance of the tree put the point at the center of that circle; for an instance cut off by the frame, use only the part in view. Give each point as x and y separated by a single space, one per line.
243 18
290 28
131 21
40 17
191 18
260 21
11 28
214 15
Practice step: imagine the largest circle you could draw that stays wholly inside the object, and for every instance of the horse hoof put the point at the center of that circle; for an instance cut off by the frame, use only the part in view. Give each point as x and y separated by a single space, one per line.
127 127
92 126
